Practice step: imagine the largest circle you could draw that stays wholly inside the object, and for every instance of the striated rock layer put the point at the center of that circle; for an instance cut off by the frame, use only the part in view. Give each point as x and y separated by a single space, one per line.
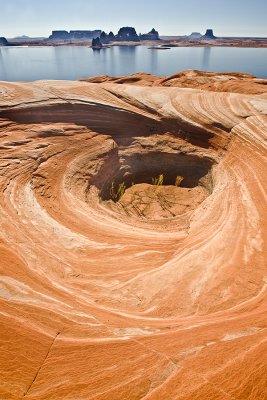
160 292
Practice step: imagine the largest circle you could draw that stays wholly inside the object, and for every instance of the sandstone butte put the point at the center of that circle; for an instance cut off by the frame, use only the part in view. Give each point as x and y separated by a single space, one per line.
161 294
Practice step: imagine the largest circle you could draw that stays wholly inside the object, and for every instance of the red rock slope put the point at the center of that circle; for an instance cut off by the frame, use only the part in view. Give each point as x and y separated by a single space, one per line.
160 294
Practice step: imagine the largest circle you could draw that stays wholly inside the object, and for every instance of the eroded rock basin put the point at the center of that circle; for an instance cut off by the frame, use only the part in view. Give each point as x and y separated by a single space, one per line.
155 185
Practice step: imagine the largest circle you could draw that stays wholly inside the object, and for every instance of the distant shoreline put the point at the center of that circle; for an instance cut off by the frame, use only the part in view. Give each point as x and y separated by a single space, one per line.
178 42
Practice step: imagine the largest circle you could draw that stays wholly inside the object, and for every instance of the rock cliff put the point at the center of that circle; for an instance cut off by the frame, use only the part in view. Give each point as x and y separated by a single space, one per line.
152 35
74 35
127 34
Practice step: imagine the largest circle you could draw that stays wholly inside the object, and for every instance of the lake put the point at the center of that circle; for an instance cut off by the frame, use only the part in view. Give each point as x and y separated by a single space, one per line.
73 62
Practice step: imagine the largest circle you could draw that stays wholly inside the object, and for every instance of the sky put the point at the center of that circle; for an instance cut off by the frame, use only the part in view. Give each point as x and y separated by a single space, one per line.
169 17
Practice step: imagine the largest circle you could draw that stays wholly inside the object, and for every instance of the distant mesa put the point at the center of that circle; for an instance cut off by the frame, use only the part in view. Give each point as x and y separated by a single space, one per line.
3 41
22 37
75 35
208 35
127 34
85 34
152 35
59 35
195 35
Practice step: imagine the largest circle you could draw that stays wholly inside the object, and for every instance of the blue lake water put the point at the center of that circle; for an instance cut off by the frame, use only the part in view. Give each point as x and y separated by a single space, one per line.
73 62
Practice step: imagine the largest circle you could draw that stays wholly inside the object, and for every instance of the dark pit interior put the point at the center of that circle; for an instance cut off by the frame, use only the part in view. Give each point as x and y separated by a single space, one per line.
142 168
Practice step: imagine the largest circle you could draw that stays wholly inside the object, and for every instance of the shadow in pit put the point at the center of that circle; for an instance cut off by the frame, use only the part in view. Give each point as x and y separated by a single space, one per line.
142 168
122 125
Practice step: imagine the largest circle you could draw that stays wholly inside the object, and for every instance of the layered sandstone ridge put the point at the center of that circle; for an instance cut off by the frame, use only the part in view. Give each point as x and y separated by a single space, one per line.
233 82
161 292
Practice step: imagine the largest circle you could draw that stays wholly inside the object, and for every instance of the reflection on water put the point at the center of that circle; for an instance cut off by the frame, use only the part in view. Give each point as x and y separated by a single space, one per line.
3 74
206 58
74 62
154 61
127 56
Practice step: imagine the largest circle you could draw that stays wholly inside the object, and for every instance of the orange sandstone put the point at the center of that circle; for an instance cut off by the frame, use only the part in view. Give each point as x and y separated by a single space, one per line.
160 294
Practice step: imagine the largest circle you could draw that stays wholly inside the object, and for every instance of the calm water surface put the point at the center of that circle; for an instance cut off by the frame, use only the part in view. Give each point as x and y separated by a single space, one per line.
33 63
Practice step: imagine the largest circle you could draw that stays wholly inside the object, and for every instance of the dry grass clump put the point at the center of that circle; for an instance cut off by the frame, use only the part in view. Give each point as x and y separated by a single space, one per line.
116 194
178 180
158 181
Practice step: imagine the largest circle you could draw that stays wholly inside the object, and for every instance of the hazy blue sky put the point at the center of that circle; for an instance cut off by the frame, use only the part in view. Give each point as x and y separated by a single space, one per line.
170 17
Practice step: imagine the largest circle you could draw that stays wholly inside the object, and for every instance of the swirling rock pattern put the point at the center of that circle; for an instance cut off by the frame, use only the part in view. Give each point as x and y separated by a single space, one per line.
160 294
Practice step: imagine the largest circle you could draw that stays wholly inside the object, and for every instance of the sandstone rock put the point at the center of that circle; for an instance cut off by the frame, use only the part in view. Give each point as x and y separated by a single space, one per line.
152 35
160 294
208 35
74 35
195 35
104 38
59 35
85 34
96 43
127 34
217 82
3 41
111 37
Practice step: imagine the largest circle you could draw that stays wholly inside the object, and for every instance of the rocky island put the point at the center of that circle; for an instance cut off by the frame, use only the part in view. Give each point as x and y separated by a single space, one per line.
133 238
97 43
3 41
